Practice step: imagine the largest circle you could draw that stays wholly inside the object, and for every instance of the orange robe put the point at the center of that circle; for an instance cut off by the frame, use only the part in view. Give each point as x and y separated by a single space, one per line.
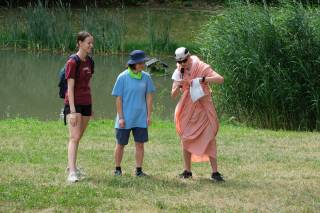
197 123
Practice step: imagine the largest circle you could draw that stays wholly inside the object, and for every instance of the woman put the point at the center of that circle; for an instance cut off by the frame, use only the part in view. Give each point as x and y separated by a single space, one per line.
133 91
196 122
78 100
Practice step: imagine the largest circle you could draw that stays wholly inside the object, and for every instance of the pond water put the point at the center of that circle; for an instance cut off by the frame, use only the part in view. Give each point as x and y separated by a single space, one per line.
28 86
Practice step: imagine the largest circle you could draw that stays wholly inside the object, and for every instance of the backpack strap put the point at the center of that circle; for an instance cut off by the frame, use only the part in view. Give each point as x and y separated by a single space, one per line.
77 59
92 63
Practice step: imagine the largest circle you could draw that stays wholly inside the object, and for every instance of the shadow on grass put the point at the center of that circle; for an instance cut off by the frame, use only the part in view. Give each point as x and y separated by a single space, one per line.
230 183
167 183
130 181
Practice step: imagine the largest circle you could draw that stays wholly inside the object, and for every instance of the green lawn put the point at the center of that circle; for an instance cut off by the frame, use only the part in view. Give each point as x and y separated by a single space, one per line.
265 171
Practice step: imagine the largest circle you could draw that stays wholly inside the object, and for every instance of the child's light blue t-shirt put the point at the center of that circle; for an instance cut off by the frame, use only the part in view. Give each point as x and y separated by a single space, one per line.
134 103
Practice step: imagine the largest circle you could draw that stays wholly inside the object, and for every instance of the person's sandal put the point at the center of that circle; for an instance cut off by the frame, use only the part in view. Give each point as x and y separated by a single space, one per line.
185 174
217 177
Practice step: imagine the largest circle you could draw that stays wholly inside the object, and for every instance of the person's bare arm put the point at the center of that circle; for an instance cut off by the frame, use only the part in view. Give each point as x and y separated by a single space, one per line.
149 107
70 91
175 89
120 112
71 95
215 78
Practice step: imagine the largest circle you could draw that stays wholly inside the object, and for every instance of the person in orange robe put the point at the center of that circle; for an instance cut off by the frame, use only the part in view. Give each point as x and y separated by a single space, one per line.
196 122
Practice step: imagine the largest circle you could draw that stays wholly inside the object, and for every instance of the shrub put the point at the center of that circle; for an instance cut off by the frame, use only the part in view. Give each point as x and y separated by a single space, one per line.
270 59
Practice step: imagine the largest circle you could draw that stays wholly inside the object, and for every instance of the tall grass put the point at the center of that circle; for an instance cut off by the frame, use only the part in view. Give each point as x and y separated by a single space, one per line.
39 27
108 29
159 34
36 27
270 59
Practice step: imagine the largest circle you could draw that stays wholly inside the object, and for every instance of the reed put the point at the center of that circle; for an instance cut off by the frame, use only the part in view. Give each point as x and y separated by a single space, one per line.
39 27
270 61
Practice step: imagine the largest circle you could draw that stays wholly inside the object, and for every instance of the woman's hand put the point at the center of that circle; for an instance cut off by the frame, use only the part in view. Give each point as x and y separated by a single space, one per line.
185 82
177 87
214 78
73 119
122 123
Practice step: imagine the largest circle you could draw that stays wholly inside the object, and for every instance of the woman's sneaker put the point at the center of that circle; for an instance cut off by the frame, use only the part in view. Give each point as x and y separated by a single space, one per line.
216 176
72 177
80 173
185 174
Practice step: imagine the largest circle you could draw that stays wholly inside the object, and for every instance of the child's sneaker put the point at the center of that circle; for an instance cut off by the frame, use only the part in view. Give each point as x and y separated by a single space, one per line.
117 173
141 174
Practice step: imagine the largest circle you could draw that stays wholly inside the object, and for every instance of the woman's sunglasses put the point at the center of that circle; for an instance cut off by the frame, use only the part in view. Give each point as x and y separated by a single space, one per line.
183 61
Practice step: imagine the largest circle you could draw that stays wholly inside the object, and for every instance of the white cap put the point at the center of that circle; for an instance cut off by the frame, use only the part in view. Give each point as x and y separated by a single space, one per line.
181 53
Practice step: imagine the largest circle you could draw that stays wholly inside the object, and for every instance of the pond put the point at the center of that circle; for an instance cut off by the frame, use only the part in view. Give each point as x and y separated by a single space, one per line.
28 86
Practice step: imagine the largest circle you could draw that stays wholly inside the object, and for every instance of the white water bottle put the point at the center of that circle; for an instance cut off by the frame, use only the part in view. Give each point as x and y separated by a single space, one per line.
62 114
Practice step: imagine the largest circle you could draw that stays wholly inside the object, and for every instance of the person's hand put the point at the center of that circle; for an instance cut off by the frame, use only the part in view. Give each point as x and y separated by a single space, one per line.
73 119
149 121
184 82
201 80
122 123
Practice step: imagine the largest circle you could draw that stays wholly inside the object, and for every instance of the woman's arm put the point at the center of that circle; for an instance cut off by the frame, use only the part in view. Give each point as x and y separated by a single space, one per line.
71 95
149 107
175 89
214 78
72 106
120 112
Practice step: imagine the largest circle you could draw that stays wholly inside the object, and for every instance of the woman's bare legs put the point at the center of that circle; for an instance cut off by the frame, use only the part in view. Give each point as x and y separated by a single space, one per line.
214 165
84 125
187 160
75 134
213 160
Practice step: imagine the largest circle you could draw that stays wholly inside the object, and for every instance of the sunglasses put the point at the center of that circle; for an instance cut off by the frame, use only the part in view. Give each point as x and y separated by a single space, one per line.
183 61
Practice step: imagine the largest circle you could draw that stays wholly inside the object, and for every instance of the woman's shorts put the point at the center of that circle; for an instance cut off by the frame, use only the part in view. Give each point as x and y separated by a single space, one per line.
84 110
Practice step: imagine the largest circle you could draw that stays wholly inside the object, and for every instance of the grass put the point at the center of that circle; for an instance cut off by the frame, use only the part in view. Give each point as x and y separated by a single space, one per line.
265 171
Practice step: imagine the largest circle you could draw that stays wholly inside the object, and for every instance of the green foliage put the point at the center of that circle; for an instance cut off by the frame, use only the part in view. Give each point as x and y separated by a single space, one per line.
270 59
179 3
39 27
159 34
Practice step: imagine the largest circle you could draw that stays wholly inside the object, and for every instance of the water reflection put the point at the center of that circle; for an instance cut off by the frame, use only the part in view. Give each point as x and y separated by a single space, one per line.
28 86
